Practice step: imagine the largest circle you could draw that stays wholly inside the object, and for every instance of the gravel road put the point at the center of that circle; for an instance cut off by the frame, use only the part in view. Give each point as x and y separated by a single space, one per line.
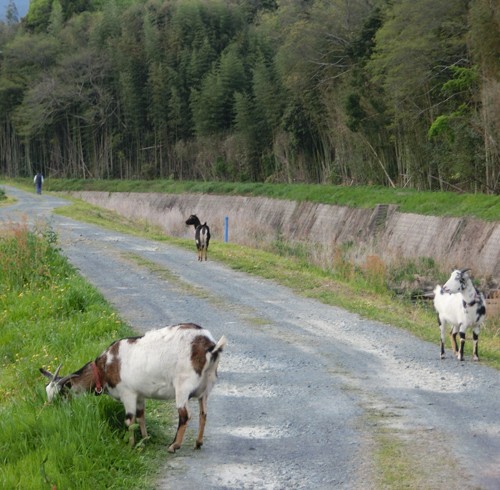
305 390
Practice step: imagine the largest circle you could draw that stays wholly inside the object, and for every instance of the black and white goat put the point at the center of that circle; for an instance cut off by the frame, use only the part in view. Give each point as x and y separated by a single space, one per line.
201 236
178 361
461 305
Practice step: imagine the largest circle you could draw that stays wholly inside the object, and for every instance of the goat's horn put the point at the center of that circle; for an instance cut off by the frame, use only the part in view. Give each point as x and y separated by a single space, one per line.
56 374
465 270
64 380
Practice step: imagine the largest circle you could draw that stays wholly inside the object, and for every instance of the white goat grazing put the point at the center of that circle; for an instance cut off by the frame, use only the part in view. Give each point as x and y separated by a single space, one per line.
461 305
178 361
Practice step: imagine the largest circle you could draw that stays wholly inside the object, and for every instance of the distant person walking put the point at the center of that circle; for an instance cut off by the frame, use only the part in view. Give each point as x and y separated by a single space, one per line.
38 182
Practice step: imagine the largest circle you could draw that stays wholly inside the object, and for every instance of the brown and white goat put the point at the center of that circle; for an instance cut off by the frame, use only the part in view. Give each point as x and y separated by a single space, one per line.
178 361
201 236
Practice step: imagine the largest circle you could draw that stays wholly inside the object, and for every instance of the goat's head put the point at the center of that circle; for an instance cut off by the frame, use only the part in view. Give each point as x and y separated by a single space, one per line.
56 383
457 281
193 220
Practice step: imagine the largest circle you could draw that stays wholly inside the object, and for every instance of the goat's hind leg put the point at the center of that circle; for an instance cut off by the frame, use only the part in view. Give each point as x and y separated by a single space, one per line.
181 429
442 327
203 420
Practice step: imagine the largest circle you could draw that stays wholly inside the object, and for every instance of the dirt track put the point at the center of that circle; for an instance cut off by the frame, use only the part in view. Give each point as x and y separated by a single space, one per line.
304 389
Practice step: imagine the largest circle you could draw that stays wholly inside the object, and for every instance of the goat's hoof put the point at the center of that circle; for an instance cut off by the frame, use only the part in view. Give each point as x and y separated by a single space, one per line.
475 358
172 448
443 356
198 445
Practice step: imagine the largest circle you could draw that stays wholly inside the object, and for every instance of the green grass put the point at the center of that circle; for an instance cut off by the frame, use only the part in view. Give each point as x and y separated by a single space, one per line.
482 206
50 315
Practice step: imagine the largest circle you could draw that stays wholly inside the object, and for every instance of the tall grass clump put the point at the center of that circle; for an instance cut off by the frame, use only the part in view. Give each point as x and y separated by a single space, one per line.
24 258
50 315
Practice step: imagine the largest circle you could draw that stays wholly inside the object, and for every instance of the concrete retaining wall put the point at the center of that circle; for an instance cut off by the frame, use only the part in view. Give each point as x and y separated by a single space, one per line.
383 231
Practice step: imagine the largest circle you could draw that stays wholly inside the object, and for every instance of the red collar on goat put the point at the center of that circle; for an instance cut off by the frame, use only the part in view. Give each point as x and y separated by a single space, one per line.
98 386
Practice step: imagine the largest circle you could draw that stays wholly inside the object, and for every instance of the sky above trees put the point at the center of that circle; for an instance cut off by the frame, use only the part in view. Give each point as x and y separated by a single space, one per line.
21 5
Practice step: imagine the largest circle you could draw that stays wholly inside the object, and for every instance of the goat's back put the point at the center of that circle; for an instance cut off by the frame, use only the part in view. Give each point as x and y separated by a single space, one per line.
450 308
156 363
202 236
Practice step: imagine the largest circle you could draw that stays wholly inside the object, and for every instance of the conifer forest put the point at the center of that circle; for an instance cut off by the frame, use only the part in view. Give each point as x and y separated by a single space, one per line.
400 93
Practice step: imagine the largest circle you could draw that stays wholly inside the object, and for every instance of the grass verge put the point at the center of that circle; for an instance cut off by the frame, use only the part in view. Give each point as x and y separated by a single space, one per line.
49 315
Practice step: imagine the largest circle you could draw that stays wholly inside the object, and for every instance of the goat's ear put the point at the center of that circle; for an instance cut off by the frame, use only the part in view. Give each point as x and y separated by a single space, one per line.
46 373
49 375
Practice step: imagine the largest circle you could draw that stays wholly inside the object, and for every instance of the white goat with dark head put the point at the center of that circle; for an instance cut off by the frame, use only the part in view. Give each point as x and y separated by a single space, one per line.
178 361
201 236
461 305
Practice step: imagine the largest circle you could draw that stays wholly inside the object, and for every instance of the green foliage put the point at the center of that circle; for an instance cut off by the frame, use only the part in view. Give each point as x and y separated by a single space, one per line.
455 134
37 18
439 127
464 78
207 111
55 19
348 92
354 111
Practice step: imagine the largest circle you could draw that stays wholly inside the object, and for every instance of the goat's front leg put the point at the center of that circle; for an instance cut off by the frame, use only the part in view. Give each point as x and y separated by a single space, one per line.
130 422
475 338
131 410
460 354
181 429
203 420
